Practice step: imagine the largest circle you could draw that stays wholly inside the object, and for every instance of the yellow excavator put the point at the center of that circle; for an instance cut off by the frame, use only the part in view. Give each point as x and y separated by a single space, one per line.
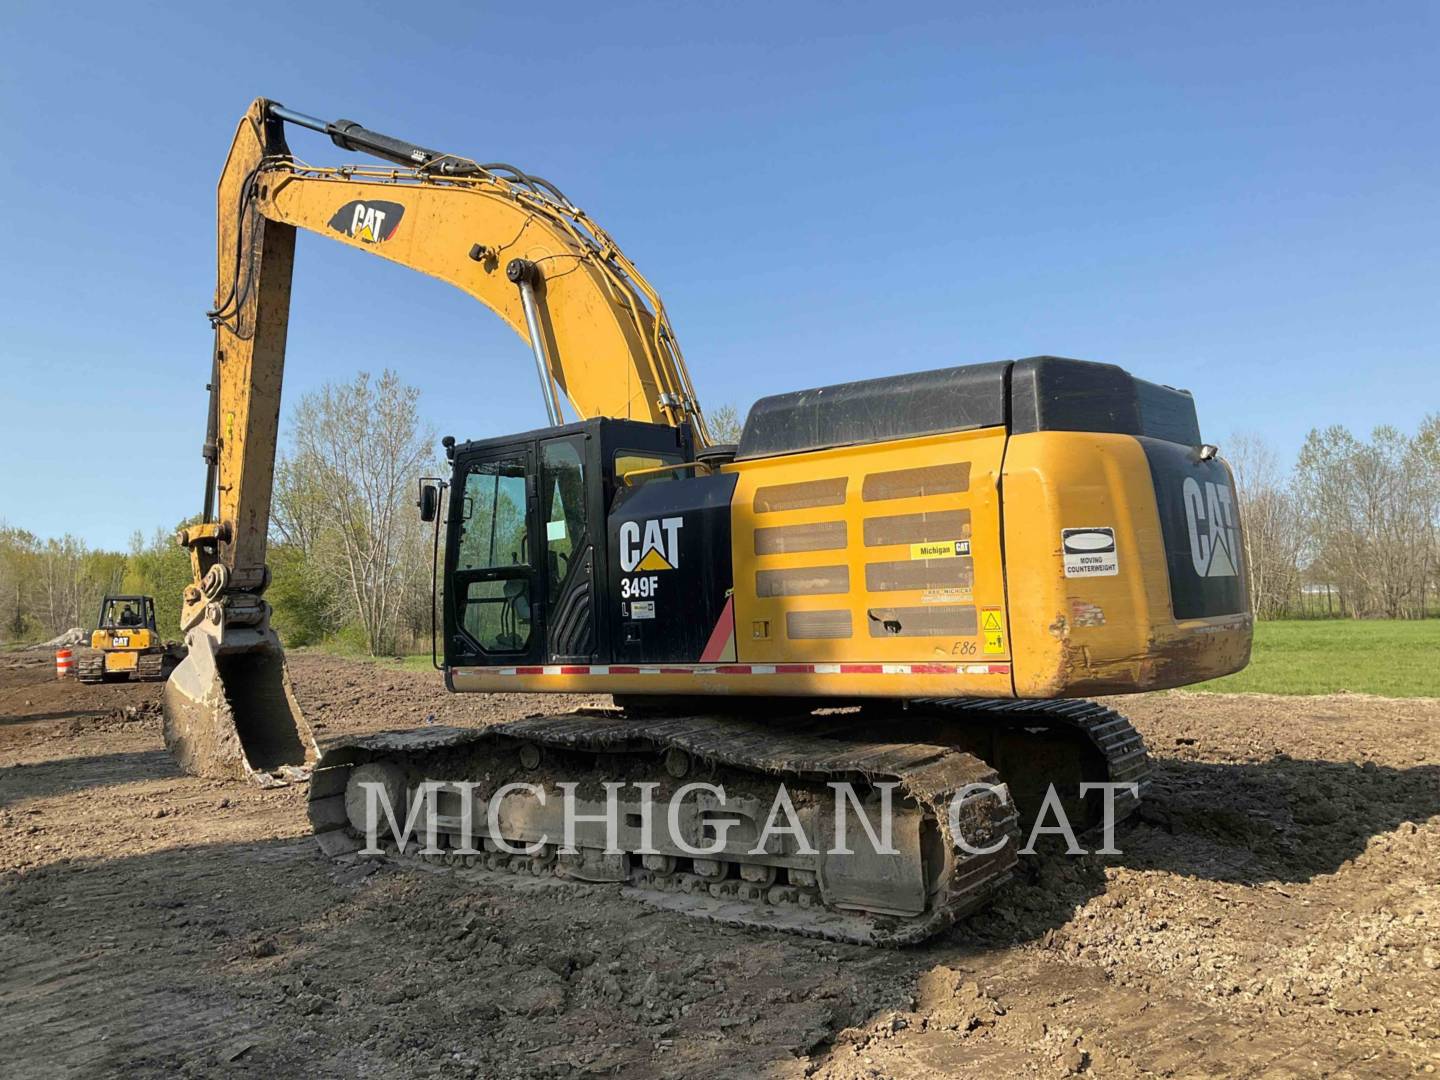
908 583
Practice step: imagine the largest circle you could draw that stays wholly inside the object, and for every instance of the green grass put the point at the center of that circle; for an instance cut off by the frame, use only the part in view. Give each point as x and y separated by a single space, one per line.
1390 657
408 663
418 662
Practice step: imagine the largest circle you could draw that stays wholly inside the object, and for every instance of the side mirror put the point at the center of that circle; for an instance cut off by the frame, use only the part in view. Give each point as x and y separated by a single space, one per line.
429 502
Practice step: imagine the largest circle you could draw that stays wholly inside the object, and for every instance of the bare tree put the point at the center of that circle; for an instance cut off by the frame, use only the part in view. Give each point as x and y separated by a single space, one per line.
1425 451
1371 511
62 583
296 517
17 552
725 424
345 494
1271 522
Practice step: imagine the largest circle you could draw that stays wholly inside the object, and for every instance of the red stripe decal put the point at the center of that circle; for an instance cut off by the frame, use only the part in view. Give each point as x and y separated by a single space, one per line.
999 669
862 669
932 669
624 670
733 669
794 669
580 670
529 671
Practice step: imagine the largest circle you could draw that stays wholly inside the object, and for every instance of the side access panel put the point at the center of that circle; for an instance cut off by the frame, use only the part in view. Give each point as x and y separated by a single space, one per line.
668 579
884 559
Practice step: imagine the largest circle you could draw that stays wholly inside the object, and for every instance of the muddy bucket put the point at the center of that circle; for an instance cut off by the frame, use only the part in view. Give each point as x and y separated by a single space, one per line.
230 712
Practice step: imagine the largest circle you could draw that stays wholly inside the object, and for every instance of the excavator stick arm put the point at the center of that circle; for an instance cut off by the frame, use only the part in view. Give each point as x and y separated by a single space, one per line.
514 242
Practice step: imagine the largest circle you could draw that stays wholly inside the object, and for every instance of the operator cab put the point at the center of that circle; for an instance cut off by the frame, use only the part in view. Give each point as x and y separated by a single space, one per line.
127 613
528 542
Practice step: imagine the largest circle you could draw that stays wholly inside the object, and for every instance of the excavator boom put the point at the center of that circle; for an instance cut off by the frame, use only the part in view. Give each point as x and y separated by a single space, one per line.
597 330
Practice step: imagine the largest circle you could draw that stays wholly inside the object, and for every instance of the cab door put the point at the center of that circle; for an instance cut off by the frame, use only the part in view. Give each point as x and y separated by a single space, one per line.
494 602
569 508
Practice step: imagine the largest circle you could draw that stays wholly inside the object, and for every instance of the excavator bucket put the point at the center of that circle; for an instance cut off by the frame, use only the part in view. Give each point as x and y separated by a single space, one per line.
230 712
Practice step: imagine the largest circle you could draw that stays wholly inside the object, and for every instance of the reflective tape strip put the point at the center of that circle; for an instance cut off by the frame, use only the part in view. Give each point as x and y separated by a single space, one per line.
757 669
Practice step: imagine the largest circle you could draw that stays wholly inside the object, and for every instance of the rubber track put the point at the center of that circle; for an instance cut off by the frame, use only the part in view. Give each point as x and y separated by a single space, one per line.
929 774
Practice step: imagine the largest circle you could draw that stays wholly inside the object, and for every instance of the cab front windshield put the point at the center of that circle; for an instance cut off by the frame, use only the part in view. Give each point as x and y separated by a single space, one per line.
123 615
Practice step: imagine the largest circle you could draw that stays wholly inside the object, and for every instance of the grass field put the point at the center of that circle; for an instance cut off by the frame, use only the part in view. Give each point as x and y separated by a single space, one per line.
416 662
423 662
1391 657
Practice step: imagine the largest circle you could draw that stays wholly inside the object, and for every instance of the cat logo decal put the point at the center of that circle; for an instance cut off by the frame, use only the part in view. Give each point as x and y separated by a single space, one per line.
369 222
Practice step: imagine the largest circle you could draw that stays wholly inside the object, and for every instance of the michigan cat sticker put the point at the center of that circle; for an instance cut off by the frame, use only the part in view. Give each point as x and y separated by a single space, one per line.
943 549
370 222
1089 552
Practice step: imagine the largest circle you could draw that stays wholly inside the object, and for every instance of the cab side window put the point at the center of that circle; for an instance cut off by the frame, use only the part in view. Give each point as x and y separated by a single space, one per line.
627 461
564 500
492 528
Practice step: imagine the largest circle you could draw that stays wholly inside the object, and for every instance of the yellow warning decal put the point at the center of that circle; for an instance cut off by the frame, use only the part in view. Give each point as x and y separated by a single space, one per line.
940 549
992 625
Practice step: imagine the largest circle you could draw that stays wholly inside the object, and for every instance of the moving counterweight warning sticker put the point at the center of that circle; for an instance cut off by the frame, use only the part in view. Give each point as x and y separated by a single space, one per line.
1089 552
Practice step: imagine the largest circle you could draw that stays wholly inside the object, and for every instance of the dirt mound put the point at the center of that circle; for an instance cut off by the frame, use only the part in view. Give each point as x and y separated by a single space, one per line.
74 636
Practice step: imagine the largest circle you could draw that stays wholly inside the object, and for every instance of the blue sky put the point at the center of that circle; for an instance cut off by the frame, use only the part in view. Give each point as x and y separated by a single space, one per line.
1236 198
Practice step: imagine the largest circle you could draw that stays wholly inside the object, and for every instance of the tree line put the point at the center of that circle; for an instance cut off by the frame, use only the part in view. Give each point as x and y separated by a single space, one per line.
50 586
1352 529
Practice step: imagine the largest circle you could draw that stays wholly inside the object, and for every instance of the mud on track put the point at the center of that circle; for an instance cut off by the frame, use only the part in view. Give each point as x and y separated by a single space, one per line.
1276 913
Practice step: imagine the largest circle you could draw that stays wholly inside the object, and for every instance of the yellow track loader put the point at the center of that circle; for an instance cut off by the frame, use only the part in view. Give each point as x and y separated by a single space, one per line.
127 645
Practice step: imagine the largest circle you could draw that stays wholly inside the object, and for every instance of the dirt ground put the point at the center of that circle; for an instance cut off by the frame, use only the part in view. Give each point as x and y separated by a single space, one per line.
1276 913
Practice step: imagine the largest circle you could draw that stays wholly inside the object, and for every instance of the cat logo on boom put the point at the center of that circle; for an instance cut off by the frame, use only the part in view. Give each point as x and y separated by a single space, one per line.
369 222
1214 538
650 545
